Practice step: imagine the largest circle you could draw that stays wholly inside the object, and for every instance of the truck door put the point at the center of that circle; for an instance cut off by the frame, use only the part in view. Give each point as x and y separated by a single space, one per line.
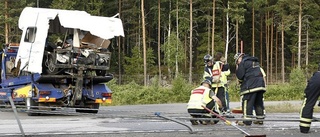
32 45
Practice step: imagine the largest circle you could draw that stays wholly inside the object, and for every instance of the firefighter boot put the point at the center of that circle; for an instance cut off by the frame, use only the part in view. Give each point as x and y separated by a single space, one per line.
259 120
194 122
304 129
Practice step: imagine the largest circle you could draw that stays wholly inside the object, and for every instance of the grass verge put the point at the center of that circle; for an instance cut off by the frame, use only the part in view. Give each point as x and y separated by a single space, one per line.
287 108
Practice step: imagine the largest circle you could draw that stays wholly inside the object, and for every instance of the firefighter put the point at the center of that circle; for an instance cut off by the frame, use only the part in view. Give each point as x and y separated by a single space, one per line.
208 60
252 87
312 93
218 71
224 81
202 95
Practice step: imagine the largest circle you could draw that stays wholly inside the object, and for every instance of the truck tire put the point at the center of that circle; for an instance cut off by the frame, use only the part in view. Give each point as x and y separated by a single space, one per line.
29 104
94 106
2 104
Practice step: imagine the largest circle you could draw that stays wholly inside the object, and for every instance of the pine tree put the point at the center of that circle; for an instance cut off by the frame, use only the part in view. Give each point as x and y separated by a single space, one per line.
9 15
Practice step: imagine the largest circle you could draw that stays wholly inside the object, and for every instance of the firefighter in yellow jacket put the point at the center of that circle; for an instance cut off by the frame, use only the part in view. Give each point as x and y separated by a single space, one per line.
202 95
217 71
225 72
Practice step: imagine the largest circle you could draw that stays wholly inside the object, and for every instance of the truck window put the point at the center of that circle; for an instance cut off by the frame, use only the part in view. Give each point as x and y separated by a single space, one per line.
30 34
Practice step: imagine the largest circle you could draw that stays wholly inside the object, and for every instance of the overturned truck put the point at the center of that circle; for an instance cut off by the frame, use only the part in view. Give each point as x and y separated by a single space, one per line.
62 60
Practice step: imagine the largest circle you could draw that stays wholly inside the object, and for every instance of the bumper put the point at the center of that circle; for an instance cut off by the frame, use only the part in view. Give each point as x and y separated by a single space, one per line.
107 101
47 100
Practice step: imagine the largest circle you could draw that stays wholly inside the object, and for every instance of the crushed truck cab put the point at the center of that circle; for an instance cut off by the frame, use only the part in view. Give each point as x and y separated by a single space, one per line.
62 60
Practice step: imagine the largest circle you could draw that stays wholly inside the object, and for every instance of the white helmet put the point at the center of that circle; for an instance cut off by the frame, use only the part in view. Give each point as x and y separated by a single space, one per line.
207 58
237 56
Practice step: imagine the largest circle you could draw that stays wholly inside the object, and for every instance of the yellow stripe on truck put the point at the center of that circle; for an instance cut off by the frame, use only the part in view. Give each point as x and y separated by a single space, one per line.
47 100
22 92
108 101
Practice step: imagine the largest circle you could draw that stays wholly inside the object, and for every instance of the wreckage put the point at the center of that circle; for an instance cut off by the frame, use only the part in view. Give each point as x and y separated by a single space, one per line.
62 60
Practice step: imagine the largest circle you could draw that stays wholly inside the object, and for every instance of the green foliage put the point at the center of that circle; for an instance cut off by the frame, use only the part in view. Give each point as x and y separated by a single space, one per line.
63 4
134 64
283 92
173 51
297 80
93 7
233 90
237 10
180 90
54 37
133 93
286 108
273 93
13 11
125 94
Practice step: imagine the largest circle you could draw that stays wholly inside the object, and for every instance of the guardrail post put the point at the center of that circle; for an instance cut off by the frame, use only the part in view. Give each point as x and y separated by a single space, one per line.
16 115
192 131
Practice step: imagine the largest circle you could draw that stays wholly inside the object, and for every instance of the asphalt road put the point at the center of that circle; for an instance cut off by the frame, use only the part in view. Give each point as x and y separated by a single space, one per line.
140 120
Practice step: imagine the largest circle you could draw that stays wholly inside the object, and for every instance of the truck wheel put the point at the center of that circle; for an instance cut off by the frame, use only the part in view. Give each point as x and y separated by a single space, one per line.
2 104
29 104
94 106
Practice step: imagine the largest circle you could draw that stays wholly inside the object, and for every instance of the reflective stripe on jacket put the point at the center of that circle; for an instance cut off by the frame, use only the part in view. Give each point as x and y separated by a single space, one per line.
224 73
199 96
217 71
249 72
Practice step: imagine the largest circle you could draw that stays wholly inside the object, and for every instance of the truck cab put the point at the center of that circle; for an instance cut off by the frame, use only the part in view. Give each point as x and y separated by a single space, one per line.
62 60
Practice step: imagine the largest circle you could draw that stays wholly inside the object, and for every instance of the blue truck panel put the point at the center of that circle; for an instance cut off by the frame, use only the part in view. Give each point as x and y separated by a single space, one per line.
97 91
54 92
21 80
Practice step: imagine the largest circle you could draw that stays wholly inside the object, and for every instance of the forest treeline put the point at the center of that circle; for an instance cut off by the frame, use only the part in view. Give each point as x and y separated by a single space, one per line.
170 37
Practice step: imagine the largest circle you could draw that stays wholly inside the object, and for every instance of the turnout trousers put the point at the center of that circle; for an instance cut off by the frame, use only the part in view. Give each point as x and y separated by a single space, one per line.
250 101
202 113
221 94
312 93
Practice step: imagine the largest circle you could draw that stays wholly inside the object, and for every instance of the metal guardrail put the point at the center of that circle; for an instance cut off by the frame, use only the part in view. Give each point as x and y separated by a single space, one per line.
16 115
177 121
